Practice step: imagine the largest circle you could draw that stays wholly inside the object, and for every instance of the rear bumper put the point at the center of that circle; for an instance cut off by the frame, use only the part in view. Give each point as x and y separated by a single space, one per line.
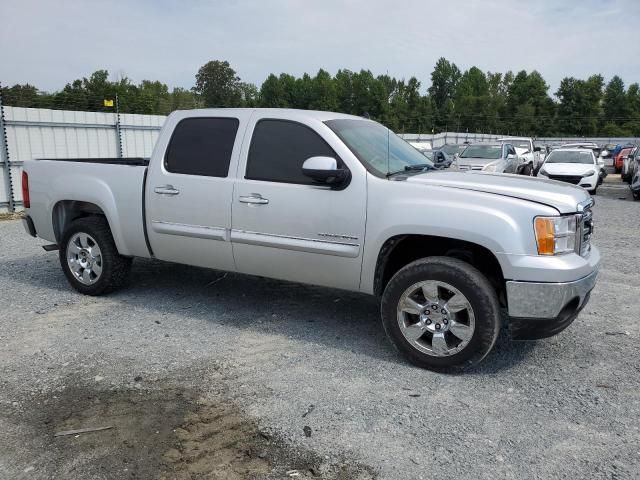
539 310
28 225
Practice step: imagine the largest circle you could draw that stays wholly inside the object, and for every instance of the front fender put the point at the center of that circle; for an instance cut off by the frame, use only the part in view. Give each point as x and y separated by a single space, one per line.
498 223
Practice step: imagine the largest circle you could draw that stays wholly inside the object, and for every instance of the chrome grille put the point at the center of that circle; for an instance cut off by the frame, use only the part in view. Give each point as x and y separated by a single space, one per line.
586 230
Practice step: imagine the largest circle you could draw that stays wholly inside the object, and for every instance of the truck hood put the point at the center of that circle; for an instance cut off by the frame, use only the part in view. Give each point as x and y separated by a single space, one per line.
559 195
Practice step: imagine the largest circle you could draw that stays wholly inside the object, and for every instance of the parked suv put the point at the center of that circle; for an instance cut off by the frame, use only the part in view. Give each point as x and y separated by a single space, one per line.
496 157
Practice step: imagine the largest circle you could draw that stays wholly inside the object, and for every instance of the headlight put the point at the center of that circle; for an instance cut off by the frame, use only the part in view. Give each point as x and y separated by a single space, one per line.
589 173
490 167
555 235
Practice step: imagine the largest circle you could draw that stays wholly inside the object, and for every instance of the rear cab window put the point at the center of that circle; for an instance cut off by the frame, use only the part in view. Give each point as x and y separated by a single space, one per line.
202 146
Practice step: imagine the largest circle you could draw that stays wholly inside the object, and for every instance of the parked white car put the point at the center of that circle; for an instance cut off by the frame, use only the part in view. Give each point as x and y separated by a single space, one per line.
577 166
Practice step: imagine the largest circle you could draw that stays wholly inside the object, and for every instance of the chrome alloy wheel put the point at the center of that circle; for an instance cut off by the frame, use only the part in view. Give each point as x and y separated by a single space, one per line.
435 318
84 258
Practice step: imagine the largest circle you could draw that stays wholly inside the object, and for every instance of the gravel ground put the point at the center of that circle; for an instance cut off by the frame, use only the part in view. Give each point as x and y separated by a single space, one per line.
187 363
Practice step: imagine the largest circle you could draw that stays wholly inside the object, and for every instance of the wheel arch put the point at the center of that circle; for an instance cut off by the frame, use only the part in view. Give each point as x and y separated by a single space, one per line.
400 250
66 211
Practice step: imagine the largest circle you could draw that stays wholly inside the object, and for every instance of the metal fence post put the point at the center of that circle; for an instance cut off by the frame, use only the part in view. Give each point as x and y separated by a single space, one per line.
118 131
4 158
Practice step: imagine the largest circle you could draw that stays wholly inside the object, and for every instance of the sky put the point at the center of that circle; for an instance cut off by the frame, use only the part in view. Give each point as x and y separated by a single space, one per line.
49 43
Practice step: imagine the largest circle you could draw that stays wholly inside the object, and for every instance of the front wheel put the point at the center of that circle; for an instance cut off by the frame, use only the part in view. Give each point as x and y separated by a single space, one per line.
441 313
528 170
90 259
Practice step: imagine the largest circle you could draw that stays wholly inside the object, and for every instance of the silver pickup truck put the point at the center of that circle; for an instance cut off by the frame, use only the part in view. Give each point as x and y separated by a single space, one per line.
334 200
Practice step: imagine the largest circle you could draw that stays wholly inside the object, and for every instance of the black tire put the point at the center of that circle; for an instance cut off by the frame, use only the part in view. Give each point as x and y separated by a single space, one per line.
115 267
527 170
593 192
472 284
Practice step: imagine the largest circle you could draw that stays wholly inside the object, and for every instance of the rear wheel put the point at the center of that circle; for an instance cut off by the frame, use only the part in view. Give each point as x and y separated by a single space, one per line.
90 259
441 313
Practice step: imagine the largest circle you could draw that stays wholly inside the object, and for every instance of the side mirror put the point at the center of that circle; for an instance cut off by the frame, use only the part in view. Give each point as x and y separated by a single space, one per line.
325 170
537 149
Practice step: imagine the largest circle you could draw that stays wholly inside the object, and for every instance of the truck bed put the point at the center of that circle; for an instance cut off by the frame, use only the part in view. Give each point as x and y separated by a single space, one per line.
115 185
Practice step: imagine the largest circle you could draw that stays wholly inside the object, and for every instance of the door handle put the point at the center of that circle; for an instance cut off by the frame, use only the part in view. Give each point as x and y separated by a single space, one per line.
166 190
253 199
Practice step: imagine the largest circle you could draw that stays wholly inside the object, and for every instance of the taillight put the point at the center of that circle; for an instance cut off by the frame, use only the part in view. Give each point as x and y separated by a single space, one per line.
26 202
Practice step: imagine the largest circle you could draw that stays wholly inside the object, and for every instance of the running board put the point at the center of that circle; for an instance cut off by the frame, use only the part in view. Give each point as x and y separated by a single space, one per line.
51 247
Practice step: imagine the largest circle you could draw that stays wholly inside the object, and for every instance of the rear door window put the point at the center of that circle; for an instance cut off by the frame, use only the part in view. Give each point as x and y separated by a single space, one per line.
202 146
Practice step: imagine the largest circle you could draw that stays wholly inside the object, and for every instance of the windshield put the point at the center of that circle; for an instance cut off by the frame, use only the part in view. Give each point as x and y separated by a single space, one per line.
452 149
559 156
377 147
492 152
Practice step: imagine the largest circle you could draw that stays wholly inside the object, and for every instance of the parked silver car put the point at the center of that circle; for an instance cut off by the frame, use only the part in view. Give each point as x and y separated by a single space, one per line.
499 157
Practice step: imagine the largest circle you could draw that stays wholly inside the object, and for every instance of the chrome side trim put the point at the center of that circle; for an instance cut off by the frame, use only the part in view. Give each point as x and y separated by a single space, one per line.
337 235
546 300
194 231
300 244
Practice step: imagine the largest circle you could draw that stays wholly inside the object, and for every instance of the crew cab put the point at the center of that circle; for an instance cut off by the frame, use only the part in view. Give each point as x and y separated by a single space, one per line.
334 200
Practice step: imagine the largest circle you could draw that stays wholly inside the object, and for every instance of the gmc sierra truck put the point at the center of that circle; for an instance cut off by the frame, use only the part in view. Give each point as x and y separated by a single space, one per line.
334 200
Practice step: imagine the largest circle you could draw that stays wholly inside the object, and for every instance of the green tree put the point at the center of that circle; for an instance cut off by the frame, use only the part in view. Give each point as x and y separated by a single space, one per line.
183 99
580 105
472 100
218 85
444 80
153 98
25 96
322 92
615 102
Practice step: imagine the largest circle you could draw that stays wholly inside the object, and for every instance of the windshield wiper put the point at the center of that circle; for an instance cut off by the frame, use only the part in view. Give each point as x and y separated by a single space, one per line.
421 167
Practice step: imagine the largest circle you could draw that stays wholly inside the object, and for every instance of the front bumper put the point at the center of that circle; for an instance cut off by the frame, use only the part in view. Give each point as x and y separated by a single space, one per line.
539 310
589 182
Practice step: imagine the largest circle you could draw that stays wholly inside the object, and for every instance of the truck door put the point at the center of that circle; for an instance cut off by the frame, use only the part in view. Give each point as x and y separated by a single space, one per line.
284 225
189 189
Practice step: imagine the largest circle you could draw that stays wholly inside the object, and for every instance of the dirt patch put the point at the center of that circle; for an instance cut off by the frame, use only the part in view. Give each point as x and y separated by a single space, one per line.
11 216
167 434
